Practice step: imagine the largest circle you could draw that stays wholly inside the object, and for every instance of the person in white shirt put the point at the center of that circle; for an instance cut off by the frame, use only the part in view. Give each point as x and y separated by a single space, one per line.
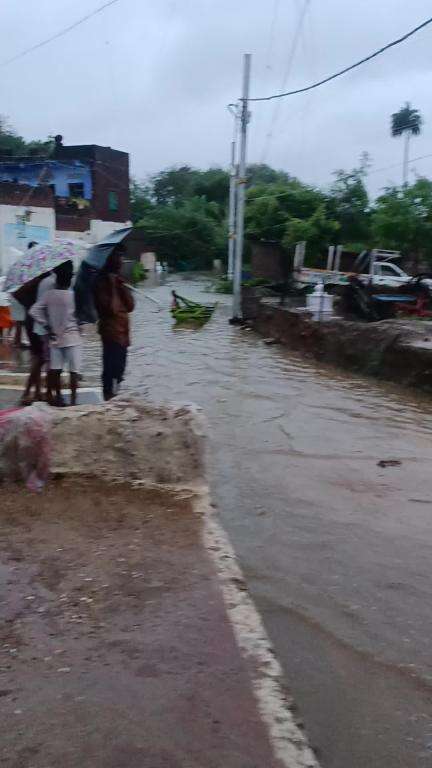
56 313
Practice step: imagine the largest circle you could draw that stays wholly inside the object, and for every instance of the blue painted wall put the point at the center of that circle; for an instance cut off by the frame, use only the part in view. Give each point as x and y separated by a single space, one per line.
20 235
49 172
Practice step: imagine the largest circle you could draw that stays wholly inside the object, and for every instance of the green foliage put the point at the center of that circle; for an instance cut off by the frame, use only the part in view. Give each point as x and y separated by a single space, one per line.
266 214
173 186
348 204
176 185
256 282
270 207
223 285
402 220
186 235
14 145
260 173
139 273
319 230
140 201
406 120
183 212
213 186
190 313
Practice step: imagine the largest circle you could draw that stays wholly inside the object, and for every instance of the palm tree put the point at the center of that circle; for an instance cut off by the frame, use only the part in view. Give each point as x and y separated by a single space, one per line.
407 122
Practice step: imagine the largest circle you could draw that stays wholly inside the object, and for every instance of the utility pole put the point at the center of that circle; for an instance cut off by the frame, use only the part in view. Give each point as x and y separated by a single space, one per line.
241 192
232 196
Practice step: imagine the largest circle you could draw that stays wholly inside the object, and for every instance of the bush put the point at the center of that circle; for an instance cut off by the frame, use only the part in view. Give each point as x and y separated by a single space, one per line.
256 282
223 285
139 273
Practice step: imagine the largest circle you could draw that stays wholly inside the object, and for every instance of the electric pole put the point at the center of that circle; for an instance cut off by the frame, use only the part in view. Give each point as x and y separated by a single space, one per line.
232 195
241 191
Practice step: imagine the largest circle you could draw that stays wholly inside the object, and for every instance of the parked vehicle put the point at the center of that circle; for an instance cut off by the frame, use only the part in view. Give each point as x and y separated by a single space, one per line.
375 268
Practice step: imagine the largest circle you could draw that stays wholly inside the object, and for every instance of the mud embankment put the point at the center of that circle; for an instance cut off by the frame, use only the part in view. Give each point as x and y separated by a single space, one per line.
395 350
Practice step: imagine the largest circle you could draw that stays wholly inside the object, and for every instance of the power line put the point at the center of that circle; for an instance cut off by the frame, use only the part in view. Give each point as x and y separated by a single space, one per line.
347 69
270 45
60 33
370 173
291 57
399 165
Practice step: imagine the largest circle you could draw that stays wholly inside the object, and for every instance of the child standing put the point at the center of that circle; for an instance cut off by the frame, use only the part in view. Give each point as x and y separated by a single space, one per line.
56 311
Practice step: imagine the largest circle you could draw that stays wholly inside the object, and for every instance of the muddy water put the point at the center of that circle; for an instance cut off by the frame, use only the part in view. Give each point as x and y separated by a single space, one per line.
337 550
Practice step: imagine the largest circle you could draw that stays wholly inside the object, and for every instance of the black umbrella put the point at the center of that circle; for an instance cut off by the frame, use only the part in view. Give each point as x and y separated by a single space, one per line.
91 265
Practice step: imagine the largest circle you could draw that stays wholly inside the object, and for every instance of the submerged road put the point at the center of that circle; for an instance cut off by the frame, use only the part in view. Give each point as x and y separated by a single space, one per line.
337 550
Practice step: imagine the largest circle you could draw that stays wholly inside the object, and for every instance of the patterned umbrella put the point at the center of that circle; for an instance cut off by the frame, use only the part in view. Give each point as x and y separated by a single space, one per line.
36 261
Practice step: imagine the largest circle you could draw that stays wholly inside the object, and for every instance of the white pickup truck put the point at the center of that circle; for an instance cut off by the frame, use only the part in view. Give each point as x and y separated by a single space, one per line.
386 273
381 271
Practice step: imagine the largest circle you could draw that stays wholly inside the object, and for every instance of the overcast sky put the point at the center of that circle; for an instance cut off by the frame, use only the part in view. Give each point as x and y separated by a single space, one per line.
153 77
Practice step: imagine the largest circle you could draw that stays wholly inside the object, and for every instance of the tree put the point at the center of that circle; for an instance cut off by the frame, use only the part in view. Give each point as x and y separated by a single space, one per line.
174 185
213 186
12 145
406 122
140 201
270 207
188 235
349 204
260 173
266 214
402 220
318 230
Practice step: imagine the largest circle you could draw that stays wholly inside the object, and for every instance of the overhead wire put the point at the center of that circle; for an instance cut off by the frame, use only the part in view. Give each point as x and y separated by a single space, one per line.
288 69
269 54
270 45
399 165
328 79
60 33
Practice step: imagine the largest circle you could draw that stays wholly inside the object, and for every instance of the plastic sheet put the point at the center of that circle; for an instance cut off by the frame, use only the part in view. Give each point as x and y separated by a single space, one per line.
25 447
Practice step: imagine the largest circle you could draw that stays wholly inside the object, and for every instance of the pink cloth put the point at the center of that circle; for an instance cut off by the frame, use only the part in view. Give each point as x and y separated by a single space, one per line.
25 447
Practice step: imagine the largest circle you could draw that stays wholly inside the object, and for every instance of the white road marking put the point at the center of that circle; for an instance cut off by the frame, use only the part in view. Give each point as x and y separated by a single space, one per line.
288 741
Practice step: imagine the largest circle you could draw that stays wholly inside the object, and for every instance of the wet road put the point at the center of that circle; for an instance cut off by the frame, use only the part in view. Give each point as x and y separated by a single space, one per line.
336 549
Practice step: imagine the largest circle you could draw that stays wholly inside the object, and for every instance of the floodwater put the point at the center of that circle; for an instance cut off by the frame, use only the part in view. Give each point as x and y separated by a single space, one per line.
337 550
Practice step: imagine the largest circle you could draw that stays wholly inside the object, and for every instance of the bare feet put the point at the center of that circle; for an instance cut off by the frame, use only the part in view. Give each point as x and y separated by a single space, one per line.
26 400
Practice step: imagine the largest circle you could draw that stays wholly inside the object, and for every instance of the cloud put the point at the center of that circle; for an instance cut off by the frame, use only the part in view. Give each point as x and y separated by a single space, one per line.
154 79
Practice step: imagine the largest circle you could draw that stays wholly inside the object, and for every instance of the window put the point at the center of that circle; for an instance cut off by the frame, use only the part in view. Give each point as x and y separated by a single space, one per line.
76 189
113 201
390 270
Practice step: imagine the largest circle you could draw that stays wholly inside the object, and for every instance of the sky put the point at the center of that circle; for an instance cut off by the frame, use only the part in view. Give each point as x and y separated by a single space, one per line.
153 78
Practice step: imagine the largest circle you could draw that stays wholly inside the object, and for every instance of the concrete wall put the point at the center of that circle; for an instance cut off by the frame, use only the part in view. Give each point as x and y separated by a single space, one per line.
17 230
100 229
96 232
396 350
148 260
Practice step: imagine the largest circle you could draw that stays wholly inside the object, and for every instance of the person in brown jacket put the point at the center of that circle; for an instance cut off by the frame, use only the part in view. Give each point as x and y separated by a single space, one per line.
114 302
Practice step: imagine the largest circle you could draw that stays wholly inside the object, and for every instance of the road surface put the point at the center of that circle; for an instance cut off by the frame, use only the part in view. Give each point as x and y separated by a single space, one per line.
337 550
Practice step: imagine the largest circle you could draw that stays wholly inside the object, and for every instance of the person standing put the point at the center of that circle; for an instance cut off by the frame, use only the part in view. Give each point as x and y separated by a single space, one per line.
114 302
6 321
55 312
18 317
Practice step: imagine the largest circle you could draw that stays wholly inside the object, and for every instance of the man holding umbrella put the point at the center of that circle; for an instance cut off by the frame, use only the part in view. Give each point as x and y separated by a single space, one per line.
114 302
22 281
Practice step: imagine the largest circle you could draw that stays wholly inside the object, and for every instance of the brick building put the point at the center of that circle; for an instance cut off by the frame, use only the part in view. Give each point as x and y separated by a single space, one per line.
89 187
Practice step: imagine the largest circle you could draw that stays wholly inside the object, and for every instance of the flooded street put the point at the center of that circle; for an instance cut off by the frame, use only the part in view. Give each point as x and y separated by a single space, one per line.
337 550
